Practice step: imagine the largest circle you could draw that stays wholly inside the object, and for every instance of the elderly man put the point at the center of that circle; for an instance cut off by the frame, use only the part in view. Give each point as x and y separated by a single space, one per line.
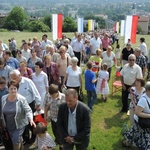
29 91
95 43
140 60
74 122
129 73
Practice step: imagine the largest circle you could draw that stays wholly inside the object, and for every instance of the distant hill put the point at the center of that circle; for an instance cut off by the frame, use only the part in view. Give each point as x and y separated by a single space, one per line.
14 2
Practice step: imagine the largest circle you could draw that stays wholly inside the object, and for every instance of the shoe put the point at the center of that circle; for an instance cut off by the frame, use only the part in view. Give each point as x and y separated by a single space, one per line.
122 111
105 100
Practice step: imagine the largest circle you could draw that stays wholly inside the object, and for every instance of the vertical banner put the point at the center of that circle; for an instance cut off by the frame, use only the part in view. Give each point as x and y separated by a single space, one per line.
117 27
122 30
80 25
131 28
57 26
90 24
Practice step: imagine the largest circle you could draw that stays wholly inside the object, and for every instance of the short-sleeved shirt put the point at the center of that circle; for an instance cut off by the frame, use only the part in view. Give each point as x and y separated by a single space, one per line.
95 43
89 76
108 60
73 76
131 73
126 53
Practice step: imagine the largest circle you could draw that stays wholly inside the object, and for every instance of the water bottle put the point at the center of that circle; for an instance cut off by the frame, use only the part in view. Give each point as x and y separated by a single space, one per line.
124 128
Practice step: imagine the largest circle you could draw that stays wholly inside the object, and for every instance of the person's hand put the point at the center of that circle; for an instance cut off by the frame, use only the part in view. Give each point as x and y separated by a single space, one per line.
69 139
32 123
123 87
80 88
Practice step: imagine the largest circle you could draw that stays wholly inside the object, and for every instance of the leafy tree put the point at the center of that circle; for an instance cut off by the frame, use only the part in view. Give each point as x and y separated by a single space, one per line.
38 26
15 19
48 20
69 25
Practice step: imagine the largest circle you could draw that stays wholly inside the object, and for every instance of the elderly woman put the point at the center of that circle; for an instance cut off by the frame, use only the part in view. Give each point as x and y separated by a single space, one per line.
109 58
20 57
40 80
126 52
73 77
36 45
135 93
69 48
96 61
51 69
63 62
16 114
137 135
46 51
24 70
31 61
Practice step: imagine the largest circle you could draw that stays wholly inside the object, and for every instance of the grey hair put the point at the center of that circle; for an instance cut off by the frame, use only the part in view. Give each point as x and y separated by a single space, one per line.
72 92
132 55
137 49
49 46
147 86
16 72
74 59
66 40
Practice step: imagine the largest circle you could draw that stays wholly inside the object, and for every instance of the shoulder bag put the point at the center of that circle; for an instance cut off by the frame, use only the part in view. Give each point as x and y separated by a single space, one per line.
144 122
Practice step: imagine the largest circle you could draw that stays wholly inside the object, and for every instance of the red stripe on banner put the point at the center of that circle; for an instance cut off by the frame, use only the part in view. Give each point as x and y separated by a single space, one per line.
59 33
134 29
115 27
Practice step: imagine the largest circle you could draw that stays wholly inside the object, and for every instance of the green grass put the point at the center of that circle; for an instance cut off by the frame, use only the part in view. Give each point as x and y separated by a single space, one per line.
106 121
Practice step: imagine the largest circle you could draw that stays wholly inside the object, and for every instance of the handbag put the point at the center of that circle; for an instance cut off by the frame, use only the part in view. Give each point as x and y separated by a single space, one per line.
81 96
144 122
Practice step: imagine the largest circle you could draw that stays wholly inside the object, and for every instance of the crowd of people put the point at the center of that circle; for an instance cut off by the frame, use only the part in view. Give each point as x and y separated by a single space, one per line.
41 82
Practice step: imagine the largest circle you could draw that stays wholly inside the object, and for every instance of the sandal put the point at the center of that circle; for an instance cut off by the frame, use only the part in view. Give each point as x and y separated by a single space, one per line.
126 143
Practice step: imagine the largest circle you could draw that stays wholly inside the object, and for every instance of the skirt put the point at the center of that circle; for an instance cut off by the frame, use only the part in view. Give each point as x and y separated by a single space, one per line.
139 137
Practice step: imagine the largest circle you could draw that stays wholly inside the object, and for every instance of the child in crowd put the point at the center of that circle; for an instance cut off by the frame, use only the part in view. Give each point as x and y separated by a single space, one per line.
90 79
117 54
53 100
3 91
87 50
102 86
43 140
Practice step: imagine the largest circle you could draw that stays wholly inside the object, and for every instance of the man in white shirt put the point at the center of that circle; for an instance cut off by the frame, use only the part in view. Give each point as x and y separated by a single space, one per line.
143 47
95 43
45 42
129 73
78 48
26 52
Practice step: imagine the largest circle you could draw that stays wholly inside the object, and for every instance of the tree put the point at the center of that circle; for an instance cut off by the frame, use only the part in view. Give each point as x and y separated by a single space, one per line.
15 19
48 21
69 25
38 26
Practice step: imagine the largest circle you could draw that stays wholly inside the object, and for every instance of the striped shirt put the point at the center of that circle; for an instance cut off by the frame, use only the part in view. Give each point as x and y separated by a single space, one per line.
45 141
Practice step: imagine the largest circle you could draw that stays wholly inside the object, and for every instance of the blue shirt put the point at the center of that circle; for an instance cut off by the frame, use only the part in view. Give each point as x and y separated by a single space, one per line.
13 63
89 76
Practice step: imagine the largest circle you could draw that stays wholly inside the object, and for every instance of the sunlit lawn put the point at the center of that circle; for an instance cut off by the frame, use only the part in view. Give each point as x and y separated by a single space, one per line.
106 121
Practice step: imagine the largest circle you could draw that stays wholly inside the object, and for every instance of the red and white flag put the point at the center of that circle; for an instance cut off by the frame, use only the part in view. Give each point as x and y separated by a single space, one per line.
57 20
116 27
131 28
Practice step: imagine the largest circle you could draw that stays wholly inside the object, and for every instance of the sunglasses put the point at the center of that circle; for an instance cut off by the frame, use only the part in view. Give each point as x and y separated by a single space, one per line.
131 59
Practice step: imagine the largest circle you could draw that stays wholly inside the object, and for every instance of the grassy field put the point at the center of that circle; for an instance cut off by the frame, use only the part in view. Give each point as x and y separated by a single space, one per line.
106 121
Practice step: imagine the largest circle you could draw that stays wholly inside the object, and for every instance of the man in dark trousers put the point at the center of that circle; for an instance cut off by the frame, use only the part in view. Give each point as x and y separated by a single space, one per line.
74 122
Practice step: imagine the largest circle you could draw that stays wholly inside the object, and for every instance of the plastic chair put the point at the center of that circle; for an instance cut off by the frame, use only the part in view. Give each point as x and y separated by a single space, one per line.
116 83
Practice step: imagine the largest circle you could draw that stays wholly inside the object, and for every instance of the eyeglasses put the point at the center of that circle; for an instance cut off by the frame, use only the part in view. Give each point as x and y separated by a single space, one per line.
131 59
61 52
